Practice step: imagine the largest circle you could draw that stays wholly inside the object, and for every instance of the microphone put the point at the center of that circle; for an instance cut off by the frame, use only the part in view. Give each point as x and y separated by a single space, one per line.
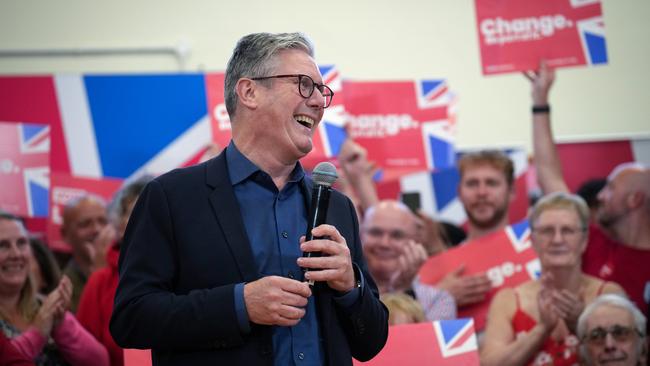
324 175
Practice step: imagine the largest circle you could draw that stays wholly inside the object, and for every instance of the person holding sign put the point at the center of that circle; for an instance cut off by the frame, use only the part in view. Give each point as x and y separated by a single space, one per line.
535 322
619 249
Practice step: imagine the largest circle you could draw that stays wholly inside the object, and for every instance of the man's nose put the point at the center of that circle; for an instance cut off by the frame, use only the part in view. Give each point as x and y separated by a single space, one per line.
610 342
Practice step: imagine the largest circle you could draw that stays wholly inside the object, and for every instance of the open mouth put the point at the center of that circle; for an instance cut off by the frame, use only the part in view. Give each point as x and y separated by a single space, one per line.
14 267
305 121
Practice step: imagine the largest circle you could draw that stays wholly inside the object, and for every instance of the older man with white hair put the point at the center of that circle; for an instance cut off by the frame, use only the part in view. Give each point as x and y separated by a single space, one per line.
612 332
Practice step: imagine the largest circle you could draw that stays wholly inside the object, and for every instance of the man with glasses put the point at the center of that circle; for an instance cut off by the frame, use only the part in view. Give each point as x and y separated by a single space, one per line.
612 332
211 271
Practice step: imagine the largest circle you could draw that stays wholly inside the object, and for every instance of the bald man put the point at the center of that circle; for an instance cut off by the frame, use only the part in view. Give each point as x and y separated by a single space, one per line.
85 228
623 255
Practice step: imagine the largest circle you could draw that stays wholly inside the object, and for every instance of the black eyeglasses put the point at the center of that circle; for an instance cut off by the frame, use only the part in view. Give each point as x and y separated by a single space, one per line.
306 86
597 336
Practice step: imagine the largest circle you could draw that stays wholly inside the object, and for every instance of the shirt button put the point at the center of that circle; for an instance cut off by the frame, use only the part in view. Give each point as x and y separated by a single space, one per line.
285 234
301 356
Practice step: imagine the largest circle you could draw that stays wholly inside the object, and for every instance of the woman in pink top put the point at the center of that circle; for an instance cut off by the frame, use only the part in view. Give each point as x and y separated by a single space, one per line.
535 323
40 329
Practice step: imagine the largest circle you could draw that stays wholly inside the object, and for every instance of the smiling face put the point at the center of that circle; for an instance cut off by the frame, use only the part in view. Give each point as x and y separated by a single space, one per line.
559 238
15 254
622 352
386 231
284 118
486 195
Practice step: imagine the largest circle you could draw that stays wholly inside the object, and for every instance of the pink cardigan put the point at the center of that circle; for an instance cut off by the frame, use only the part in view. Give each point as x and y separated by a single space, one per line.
76 345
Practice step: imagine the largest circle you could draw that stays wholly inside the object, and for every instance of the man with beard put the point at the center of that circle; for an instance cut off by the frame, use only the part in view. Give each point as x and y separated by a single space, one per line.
485 190
621 252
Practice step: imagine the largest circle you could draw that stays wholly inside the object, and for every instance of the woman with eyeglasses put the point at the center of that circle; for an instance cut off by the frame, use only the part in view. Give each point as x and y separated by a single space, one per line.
612 332
535 322
39 327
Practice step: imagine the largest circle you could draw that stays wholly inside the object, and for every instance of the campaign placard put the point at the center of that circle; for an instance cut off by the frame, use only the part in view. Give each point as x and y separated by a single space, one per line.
445 342
403 125
64 188
24 168
515 35
137 357
511 261
330 134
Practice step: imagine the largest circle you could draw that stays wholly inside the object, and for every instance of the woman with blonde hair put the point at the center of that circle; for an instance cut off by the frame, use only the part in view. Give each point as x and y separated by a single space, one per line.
40 329
535 322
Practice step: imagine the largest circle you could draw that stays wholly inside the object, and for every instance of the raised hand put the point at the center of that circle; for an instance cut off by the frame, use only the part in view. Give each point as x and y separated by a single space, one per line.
569 306
409 263
276 300
335 264
98 248
541 82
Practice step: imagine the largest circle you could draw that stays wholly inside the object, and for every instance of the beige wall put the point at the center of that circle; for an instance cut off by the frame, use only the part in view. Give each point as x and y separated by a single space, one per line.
367 39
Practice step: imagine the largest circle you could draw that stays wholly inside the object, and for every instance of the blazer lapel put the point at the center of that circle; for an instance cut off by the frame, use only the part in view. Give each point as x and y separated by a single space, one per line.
226 208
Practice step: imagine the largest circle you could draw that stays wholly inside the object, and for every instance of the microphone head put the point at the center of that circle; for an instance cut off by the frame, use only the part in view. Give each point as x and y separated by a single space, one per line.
324 174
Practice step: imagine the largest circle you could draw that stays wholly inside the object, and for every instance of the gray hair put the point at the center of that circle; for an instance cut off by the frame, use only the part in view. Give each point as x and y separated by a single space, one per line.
253 56
561 200
618 301
129 192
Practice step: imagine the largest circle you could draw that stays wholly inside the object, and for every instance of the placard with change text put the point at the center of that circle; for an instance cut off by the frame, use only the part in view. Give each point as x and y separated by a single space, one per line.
506 256
515 35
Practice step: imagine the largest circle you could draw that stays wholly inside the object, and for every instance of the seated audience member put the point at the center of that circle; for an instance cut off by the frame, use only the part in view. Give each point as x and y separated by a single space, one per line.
619 248
388 234
402 309
85 229
612 332
9 356
535 322
42 331
45 269
96 304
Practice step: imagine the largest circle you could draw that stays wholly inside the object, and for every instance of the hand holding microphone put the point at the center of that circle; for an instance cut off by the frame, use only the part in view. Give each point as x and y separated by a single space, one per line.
324 248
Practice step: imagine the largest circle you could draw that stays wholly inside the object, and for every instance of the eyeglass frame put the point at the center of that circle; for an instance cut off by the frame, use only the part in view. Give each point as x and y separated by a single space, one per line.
601 339
313 86
565 231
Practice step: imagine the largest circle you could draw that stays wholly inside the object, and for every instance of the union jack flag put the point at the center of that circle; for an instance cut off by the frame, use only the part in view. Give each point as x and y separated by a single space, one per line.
441 343
330 134
455 336
24 168
433 93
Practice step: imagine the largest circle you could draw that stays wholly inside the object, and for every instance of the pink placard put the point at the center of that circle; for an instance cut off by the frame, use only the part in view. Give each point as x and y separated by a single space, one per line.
65 187
440 343
506 256
24 168
515 35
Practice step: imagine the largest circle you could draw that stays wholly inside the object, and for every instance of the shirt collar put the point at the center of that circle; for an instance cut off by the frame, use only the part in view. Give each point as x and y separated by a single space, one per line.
240 168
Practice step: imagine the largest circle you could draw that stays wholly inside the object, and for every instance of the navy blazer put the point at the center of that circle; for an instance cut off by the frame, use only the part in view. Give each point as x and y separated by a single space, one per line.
184 250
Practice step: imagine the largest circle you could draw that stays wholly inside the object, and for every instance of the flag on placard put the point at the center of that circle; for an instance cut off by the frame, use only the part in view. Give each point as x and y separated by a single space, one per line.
444 342
330 134
512 261
403 124
515 35
24 168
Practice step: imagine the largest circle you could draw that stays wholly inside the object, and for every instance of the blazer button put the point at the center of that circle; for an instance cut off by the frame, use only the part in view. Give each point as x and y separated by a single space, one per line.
285 234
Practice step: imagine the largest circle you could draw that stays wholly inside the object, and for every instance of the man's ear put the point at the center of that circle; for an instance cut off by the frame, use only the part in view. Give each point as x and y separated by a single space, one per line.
247 92
635 200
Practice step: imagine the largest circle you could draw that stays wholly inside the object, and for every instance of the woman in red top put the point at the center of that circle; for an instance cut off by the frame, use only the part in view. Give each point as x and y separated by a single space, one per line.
534 323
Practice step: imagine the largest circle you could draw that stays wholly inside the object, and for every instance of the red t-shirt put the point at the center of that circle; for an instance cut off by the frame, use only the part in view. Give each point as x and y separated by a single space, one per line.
612 261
